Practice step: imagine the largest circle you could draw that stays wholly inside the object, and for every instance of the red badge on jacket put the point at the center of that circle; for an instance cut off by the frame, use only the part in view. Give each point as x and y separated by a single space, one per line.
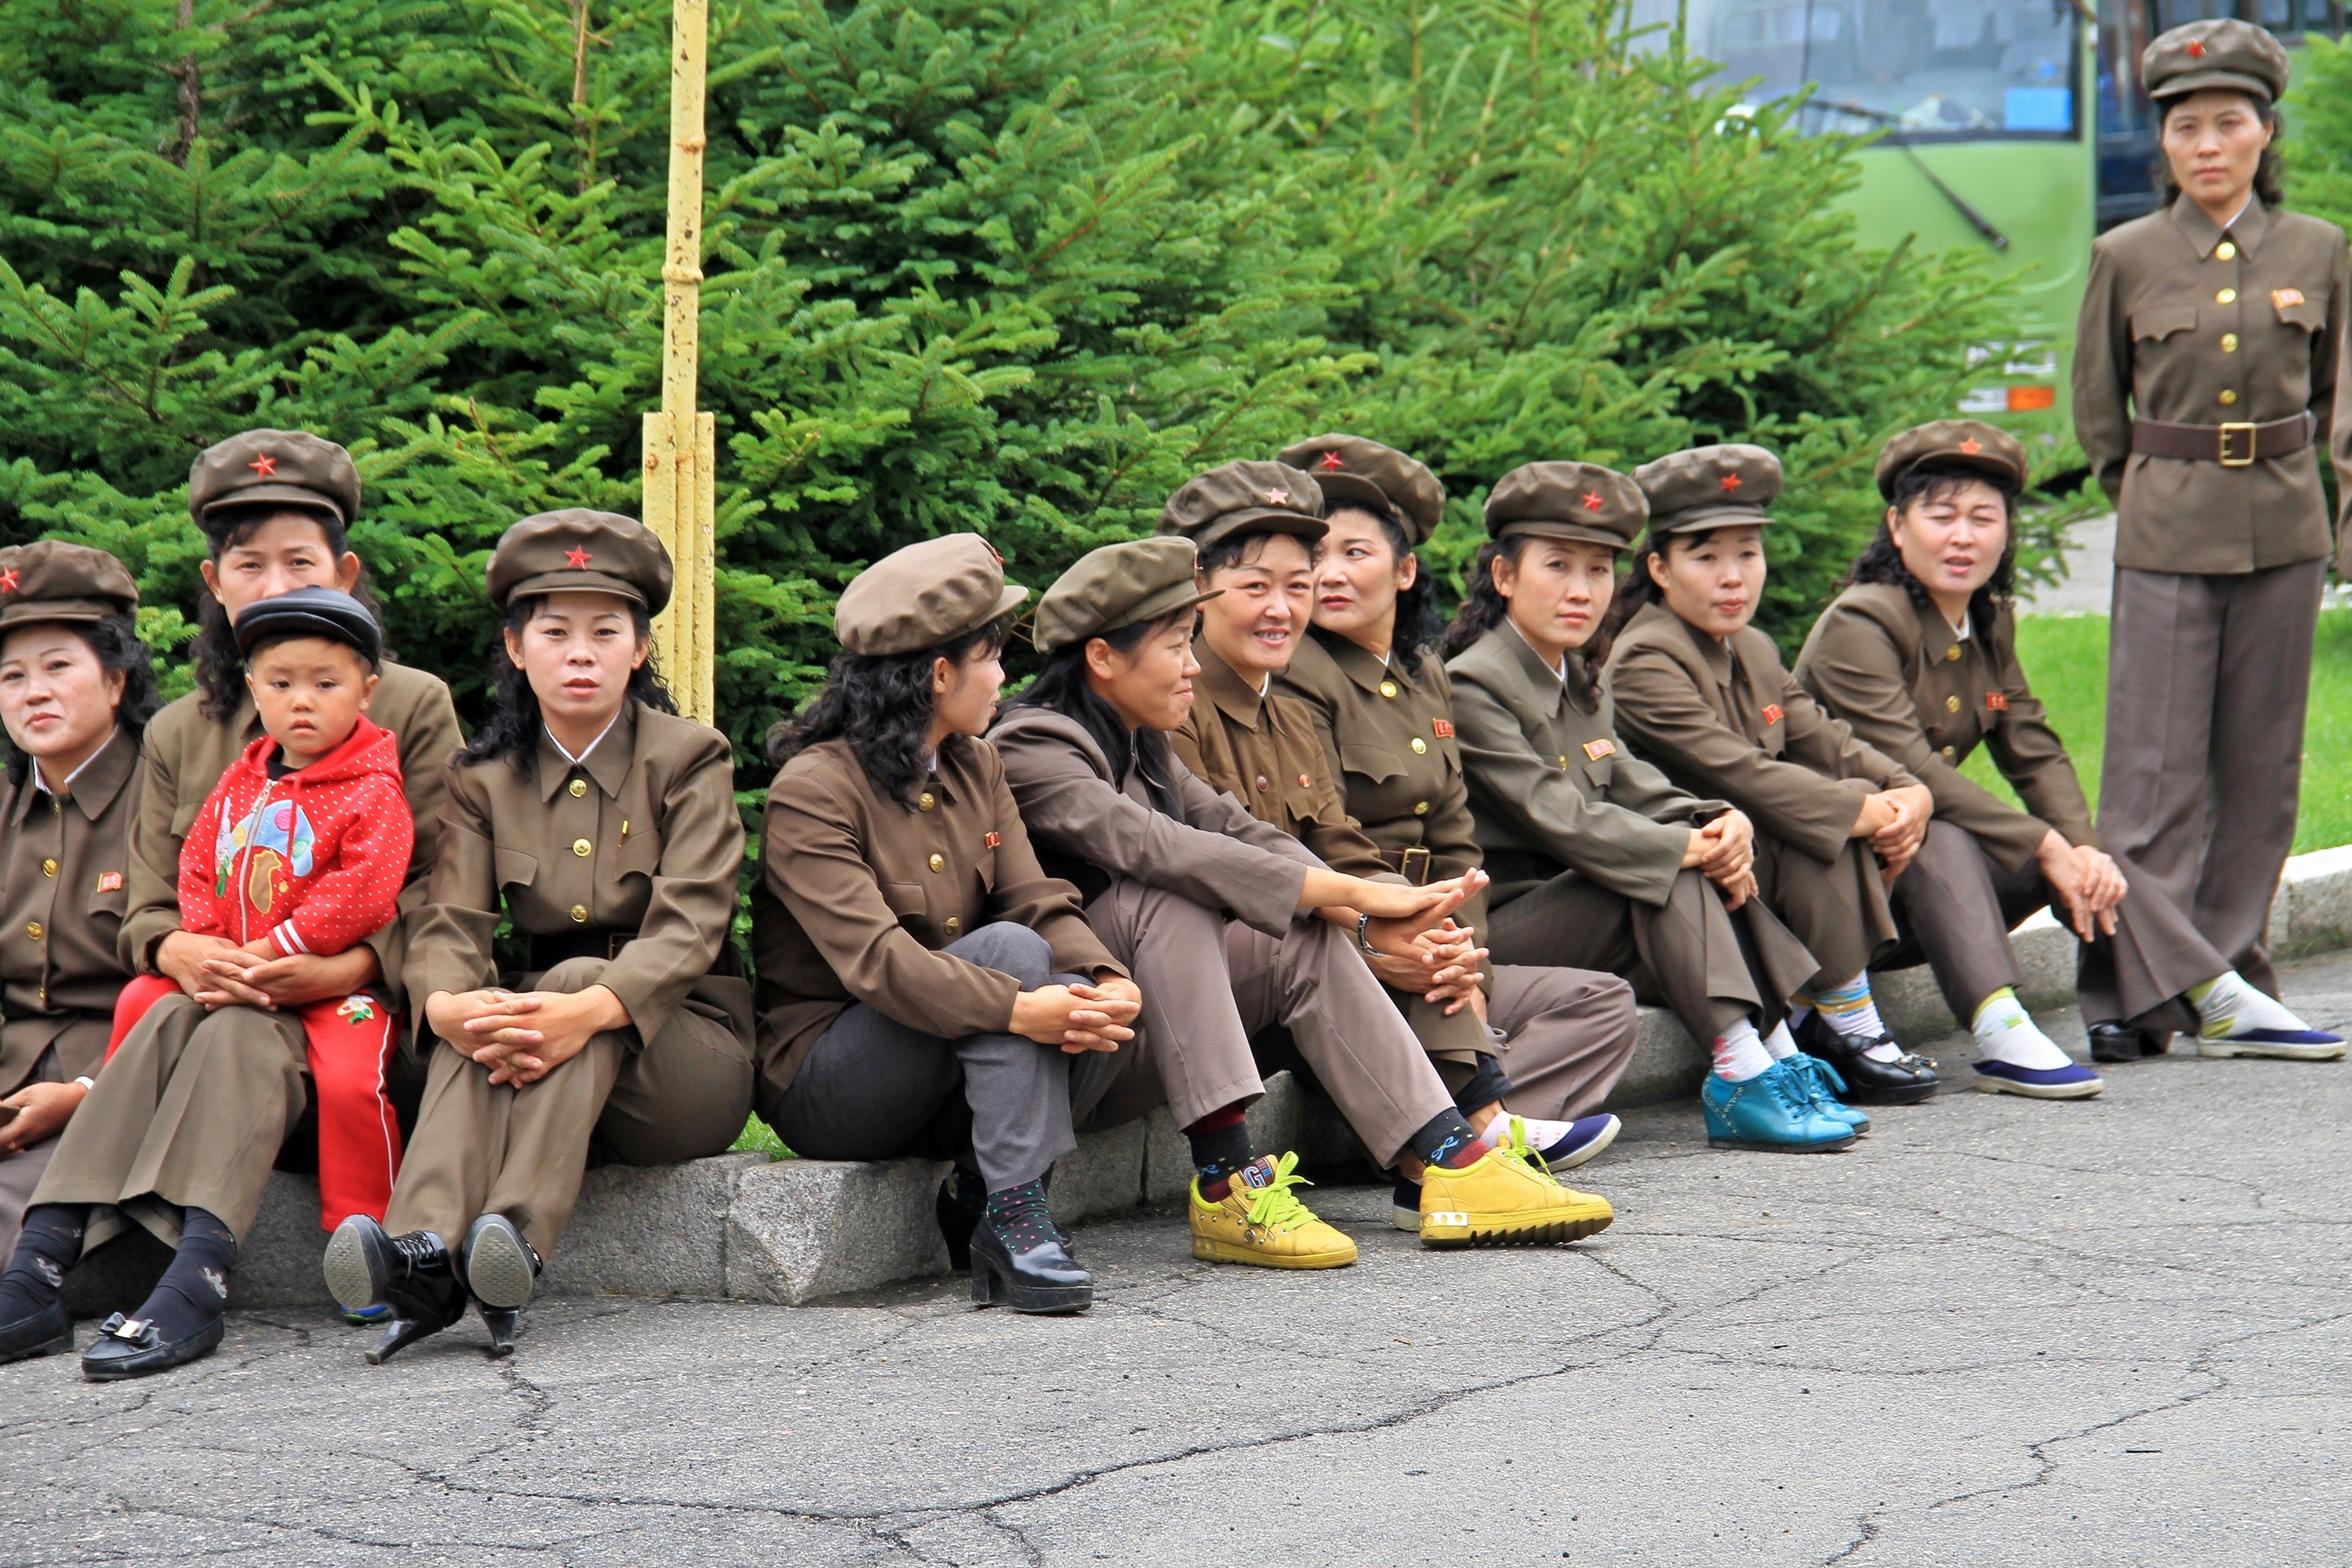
1997 700
1771 713
1443 728
1604 747
993 839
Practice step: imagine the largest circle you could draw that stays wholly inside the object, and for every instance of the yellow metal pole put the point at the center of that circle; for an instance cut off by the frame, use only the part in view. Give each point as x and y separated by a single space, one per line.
680 443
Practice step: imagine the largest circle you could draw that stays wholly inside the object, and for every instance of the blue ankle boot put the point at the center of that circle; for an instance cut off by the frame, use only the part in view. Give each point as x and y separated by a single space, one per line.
1772 1111
1826 1084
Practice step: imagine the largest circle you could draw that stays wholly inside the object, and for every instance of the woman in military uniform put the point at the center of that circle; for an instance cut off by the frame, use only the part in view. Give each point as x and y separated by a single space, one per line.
604 827
77 689
1383 709
2206 363
1919 656
923 983
1702 693
1598 860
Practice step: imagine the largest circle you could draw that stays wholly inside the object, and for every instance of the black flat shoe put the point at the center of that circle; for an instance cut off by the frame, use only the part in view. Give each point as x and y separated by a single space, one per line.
2122 1043
413 1274
45 1333
1044 1278
1907 1080
130 1347
963 1199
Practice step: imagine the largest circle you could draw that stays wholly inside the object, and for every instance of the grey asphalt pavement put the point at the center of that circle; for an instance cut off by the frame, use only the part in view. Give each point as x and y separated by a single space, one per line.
1996 1331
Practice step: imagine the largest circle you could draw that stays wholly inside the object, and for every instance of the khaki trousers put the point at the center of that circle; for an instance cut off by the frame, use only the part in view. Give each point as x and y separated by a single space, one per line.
191 1112
1837 907
1191 1046
1956 908
1710 967
1563 1035
2208 677
483 1148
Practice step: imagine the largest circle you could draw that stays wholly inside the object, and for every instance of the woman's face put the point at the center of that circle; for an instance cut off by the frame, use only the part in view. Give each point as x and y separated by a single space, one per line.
1253 624
287 553
2213 142
578 649
964 692
1150 684
1713 579
1358 578
1952 537
56 698
1559 589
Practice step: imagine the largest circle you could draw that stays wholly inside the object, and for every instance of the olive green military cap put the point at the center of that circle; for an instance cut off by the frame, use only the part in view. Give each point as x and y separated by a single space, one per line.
293 468
1350 469
2228 54
1582 501
1117 586
1954 443
49 580
923 596
1709 487
579 551
1236 498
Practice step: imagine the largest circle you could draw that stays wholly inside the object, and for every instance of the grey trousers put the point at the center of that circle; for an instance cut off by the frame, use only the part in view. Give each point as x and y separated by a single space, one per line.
2208 677
1564 1037
1837 906
1210 984
874 1088
1956 906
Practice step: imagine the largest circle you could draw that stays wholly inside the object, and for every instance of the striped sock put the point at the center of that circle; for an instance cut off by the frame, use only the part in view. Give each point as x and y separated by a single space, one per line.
1851 1013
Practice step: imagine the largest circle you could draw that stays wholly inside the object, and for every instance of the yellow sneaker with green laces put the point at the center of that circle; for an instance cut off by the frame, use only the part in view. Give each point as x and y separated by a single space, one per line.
1506 1199
1260 1220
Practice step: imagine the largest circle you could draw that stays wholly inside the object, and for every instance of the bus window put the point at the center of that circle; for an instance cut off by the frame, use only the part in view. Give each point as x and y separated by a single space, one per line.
1923 69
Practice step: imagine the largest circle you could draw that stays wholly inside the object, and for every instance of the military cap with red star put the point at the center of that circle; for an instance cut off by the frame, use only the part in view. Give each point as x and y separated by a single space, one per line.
285 468
1350 469
50 580
1582 501
1245 498
1708 487
581 551
2227 54
1951 443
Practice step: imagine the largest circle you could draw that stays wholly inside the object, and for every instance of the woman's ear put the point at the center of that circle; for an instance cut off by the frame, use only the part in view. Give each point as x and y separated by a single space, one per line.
210 570
1408 573
942 677
1098 659
115 681
514 646
346 573
1654 562
645 651
1503 573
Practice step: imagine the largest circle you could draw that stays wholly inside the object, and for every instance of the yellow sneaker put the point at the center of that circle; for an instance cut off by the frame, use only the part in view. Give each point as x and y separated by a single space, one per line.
1260 1221
1507 1198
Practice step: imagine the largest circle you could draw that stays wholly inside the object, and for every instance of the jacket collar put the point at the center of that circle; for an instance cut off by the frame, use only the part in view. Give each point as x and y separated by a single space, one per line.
2203 235
94 788
608 763
1539 678
1714 657
1233 695
1359 665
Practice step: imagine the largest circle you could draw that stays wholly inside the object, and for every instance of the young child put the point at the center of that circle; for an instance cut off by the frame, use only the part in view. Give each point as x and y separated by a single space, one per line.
301 848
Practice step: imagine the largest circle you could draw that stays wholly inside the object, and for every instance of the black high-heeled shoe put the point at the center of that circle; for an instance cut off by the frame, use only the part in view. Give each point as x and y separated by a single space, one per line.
1907 1079
962 1201
413 1274
499 1269
1044 1278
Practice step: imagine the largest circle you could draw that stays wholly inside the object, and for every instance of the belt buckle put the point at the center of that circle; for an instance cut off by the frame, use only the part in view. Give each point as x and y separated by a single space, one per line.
615 940
1414 864
2225 432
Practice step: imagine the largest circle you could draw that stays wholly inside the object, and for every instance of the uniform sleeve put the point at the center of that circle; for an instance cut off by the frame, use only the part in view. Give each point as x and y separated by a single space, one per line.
449 945
1317 701
1622 850
2331 372
1049 906
2103 378
429 737
1664 715
1830 747
360 892
692 903
151 880
2033 758
199 910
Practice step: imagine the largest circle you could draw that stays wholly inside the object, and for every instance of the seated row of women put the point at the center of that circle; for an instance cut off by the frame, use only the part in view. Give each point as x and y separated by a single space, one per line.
1245 818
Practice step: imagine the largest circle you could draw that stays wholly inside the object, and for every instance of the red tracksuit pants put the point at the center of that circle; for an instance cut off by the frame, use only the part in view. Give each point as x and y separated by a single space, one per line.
349 1044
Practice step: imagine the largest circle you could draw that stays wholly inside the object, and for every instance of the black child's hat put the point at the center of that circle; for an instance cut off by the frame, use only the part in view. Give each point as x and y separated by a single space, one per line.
326 612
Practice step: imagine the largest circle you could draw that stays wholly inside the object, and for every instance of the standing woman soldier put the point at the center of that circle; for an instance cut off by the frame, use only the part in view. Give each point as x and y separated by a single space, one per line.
2206 363
1919 655
181 1129
77 689
1598 860
1702 693
604 827
1383 709
923 983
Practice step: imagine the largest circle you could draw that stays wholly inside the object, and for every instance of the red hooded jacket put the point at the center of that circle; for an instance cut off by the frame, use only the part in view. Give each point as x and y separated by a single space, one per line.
314 861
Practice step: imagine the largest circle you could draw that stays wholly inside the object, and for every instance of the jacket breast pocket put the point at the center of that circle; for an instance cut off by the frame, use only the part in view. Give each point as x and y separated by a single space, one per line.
2311 315
2161 321
1374 762
515 869
111 897
1597 777
906 901
637 855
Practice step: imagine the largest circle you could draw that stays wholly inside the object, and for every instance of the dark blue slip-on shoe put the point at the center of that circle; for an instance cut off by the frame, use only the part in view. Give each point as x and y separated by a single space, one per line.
1586 1136
2073 1081
2290 1045
1404 1206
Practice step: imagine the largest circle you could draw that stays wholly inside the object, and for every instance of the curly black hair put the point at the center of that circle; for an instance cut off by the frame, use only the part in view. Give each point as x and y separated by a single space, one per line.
1882 562
115 641
882 705
220 668
1061 687
515 720
1484 609
1417 608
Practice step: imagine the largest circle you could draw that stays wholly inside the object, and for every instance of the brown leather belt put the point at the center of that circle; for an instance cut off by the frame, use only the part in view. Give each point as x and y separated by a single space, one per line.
1413 863
2237 445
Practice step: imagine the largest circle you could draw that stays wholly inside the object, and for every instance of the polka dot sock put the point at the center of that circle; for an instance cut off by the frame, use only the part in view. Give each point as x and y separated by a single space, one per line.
1020 1218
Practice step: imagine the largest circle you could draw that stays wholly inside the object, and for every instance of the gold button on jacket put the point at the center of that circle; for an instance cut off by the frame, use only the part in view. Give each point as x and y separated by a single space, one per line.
580 846
579 789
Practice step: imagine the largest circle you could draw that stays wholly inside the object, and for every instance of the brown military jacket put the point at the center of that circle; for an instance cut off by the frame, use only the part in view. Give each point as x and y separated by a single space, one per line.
2169 327
1553 789
1729 719
640 839
1205 847
62 885
187 754
858 891
1918 693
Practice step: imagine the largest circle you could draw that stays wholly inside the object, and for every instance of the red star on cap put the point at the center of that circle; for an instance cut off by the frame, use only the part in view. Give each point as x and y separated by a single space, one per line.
1970 446
577 557
265 464
8 581
1592 500
2196 49
1279 497
1731 481
1331 461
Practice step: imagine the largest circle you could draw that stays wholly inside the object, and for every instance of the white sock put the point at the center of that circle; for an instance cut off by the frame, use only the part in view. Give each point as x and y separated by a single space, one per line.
1540 1134
1739 1054
2232 1006
1780 1042
2006 1033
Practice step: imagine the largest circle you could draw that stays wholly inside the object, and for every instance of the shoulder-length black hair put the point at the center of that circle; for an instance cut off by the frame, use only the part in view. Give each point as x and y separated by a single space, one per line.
2270 170
115 641
881 705
220 668
1484 609
1417 608
1882 562
515 720
1061 688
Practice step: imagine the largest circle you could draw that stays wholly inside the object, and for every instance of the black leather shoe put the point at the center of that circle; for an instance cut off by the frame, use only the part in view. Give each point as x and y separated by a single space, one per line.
2122 1043
1044 1278
499 1269
963 1199
414 1275
501 1322
1907 1080
45 1333
130 1347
